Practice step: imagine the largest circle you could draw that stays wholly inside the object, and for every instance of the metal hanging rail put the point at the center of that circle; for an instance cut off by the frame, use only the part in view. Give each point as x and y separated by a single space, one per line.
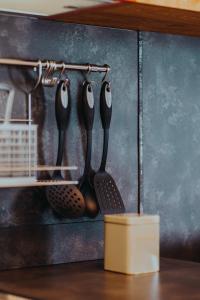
49 73
57 65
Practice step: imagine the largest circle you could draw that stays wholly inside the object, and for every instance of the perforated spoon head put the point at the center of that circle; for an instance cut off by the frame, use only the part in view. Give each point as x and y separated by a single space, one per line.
66 200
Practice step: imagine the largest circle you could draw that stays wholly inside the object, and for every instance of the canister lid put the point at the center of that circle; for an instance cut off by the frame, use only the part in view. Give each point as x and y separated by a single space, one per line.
131 218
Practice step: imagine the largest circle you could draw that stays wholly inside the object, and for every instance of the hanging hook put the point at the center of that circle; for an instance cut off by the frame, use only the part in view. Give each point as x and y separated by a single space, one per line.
50 69
62 70
53 81
29 93
65 79
62 73
106 74
88 72
39 75
89 69
44 77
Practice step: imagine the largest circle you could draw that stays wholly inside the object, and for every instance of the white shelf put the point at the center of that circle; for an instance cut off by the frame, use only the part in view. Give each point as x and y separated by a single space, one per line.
45 7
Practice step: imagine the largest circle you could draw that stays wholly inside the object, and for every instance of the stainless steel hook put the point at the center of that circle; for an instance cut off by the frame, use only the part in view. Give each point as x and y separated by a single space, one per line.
48 79
62 70
106 74
38 69
39 74
45 73
61 77
89 69
88 72
29 93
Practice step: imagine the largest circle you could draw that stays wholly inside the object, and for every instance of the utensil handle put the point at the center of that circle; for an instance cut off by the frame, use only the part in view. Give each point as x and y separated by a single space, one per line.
62 111
105 150
88 112
61 142
106 105
62 105
106 114
88 153
88 105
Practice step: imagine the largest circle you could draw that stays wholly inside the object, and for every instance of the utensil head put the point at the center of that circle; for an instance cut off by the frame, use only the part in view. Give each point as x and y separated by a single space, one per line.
91 205
107 193
66 200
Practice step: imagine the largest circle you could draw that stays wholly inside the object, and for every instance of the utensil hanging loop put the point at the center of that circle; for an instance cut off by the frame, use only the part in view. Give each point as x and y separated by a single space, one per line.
106 73
39 68
63 76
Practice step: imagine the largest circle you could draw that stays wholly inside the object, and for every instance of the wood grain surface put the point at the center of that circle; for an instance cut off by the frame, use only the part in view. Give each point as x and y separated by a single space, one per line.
78 281
193 5
139 16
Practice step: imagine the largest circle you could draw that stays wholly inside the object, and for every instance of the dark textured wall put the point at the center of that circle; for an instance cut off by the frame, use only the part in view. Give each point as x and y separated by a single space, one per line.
30 234
171 102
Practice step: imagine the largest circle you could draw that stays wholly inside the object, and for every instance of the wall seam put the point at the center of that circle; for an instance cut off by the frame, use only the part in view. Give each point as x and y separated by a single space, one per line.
140 122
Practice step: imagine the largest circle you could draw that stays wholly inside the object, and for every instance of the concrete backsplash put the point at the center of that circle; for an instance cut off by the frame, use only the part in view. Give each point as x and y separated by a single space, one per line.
171 102
30 234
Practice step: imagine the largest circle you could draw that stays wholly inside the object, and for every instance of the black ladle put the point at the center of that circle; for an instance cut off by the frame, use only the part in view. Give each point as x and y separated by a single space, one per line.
86 181
66 200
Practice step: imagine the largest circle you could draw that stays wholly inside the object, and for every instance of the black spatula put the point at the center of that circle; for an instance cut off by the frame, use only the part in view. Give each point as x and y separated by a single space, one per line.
107 193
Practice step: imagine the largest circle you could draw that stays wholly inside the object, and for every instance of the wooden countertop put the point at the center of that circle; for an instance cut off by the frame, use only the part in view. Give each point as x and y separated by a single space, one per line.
77 281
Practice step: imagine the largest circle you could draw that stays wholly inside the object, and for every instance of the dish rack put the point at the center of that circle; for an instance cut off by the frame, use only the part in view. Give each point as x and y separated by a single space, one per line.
18 149
18 146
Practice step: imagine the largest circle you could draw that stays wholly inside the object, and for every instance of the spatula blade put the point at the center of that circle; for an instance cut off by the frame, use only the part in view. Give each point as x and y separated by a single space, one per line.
108 195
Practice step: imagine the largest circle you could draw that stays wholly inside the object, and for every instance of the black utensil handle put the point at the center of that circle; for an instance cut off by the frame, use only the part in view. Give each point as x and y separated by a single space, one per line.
106 105
61 142
88 105
105 150
62 111
88 154
62 105
106 114
88 111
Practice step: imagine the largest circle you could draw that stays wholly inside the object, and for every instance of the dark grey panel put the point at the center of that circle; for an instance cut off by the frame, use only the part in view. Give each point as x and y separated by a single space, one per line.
24 246
171 99
28 38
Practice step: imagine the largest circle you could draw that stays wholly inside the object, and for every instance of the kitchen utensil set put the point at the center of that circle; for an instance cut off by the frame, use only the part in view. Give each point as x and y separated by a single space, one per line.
18 141
18 146
96 191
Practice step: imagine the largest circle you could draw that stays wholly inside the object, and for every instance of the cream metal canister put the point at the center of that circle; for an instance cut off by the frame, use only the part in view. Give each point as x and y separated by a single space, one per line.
131 243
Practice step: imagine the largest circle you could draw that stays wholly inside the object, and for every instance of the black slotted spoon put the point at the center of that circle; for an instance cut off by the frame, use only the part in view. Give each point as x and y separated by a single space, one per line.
66 200
108 195
86 181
